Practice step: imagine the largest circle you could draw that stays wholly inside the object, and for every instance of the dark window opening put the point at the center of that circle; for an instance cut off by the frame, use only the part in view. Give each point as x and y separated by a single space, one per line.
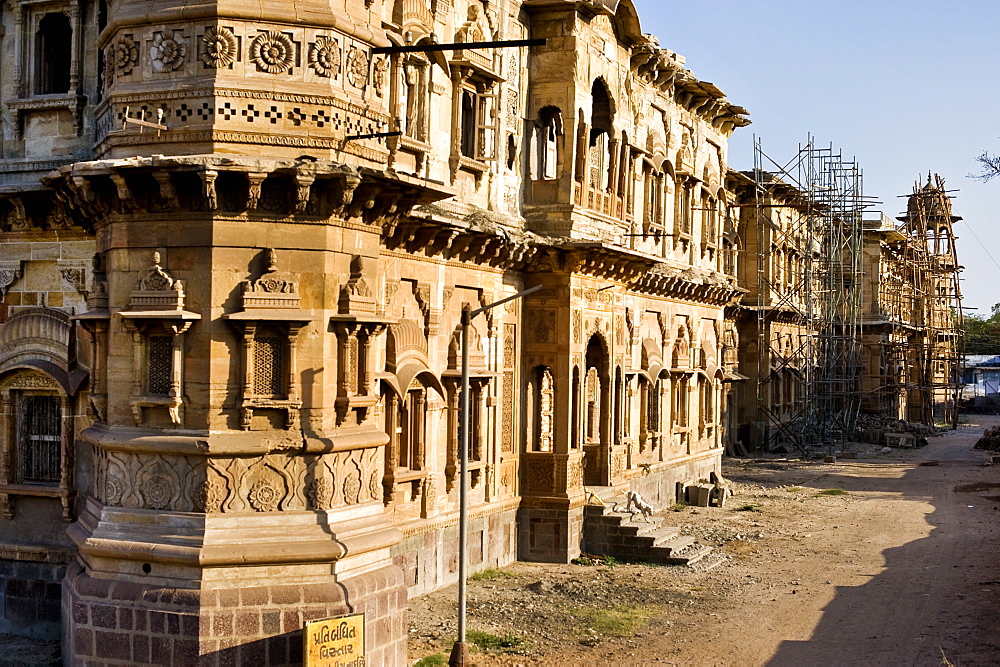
54 40
468 124
39 434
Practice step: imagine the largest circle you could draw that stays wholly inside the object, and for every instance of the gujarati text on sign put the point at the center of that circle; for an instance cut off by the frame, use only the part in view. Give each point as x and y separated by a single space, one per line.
335 642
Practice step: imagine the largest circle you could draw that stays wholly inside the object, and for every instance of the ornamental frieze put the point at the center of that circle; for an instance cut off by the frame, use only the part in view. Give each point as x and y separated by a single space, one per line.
270 483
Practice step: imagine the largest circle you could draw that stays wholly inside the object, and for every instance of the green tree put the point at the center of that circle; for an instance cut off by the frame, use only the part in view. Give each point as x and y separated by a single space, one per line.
982 333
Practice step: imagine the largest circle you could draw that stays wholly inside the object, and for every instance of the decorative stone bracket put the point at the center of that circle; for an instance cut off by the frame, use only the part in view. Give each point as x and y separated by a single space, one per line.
9 272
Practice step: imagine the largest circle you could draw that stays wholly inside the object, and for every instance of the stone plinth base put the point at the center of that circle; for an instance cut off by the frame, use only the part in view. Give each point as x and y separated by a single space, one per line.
123 622
550 534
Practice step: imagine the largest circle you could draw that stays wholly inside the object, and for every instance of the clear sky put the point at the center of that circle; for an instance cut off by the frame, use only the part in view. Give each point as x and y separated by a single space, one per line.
904 87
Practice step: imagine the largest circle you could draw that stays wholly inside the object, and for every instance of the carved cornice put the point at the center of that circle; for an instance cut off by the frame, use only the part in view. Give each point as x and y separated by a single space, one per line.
453 241
681 287
664 70
313 190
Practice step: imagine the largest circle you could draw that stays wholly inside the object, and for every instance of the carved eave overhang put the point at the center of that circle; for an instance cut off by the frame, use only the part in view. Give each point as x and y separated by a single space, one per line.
704 99
594 258
585 7
709 288
435 235
778 313
307 189
30 208
664 70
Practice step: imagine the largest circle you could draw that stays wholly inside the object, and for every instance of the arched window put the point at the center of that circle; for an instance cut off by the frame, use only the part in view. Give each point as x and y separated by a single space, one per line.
38 435
405 417
653 406
545 155
600 135
414 89
683 213
593 405
542 405
575 431
35 444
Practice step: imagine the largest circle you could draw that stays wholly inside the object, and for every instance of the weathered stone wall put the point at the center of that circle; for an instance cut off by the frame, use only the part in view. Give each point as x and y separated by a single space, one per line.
428 554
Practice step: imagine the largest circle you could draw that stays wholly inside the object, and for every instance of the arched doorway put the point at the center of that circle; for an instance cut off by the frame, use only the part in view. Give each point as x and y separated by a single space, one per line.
597 410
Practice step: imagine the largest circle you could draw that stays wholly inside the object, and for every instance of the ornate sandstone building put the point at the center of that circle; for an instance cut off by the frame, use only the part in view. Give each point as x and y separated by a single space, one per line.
229 356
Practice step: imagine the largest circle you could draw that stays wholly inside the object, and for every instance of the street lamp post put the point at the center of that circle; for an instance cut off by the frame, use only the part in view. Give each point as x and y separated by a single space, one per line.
460 651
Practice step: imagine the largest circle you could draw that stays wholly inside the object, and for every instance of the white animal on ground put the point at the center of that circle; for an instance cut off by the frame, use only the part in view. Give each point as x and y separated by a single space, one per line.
635 505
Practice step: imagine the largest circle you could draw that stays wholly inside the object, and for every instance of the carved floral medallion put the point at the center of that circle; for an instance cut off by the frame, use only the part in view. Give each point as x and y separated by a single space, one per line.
211 494
352 484
324 56
357 67
320 493
218 47
167 51
272 52
264 496
114 489
157 490
126 55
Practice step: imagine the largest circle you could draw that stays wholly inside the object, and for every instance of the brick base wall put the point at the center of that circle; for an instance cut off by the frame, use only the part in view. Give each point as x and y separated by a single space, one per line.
428 555
30 598
120 622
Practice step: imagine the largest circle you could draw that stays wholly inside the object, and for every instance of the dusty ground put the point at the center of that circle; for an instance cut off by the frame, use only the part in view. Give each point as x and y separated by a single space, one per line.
897 565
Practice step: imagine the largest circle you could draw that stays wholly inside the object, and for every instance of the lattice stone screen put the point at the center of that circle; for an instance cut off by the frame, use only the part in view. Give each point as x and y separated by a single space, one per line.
161 365
268 366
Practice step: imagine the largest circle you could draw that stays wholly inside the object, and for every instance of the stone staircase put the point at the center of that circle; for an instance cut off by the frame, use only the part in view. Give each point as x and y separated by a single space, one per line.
617 534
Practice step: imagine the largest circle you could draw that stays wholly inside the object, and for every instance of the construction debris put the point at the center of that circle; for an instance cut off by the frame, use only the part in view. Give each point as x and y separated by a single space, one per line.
990 440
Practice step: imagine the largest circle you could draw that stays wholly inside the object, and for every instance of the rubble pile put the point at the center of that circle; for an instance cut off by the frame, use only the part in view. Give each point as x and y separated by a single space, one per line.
990 440
874 430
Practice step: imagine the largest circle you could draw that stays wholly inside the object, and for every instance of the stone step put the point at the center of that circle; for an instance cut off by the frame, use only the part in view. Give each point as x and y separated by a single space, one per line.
640 527
667 536
629 537
689 555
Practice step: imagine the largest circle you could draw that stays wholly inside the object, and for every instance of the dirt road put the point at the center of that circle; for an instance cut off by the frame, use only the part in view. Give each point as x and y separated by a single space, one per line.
886 560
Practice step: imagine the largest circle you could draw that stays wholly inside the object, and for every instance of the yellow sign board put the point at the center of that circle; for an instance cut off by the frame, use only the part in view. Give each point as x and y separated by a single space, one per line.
335 642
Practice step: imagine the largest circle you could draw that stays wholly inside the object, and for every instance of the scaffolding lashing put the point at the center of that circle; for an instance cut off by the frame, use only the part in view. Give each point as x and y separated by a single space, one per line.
810 208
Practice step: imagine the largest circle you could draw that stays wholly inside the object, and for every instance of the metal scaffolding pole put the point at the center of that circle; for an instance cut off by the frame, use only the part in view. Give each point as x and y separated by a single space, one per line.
809 223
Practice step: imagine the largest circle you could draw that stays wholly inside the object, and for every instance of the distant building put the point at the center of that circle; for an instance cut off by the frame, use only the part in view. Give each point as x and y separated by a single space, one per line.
980 375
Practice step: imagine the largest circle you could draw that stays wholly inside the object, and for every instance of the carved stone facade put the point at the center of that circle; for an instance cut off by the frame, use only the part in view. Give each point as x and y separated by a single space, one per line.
257 363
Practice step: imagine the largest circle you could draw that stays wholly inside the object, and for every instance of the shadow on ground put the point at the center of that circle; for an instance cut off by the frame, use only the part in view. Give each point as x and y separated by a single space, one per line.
937 600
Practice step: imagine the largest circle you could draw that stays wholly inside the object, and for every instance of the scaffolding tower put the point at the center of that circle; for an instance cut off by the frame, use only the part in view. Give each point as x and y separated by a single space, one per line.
816 293
934 300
